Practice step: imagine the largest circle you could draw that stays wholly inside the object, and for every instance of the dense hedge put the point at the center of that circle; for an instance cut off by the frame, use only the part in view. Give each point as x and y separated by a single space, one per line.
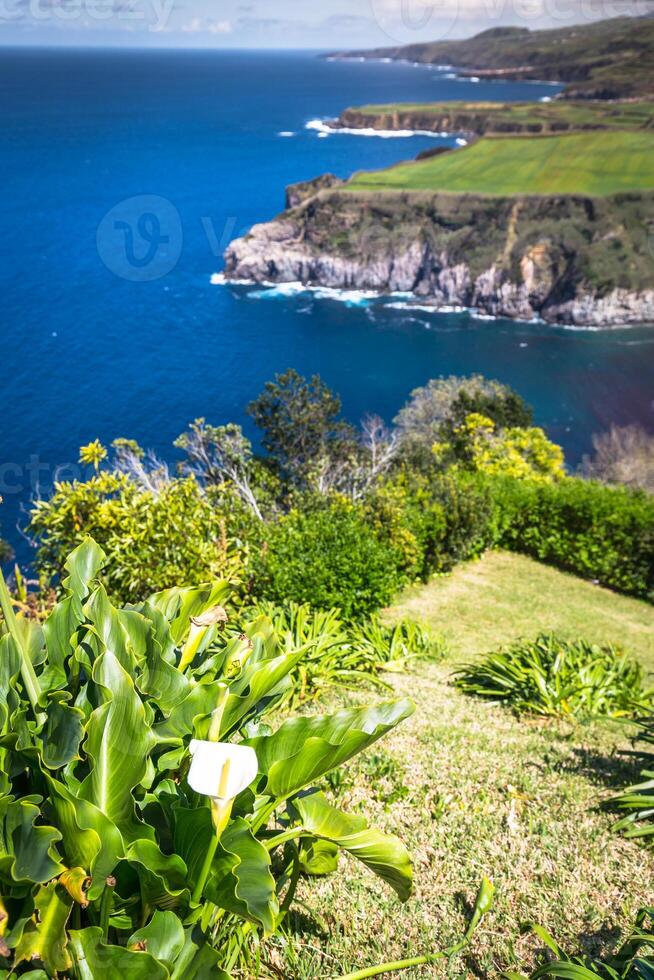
596 531
327 555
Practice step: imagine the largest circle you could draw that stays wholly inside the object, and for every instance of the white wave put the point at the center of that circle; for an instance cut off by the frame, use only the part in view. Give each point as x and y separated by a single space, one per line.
451 74
546 98
461 142
220 279
473 78
322 129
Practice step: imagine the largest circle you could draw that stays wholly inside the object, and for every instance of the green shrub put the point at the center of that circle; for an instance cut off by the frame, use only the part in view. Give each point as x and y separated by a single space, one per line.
553 676
152 824
601 533
328 556
154 540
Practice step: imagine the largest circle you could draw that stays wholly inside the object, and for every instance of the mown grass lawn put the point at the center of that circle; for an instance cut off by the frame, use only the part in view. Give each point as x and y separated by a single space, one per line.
474 790
594 163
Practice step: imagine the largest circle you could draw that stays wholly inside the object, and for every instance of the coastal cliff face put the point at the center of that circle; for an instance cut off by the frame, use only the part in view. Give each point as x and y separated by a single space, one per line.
571 260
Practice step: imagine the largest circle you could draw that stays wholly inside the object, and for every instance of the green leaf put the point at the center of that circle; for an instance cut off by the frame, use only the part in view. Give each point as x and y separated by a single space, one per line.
95 960
91 840
119 741
161 679
180 605
163 937
382 853
198 961
241 881
255 682
193 834
27 852
318 857
304 749
162 877
63 732
83 566
44 937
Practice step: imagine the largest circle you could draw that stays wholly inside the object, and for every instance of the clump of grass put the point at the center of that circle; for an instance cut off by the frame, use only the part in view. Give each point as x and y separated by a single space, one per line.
637 802
345 654
559 677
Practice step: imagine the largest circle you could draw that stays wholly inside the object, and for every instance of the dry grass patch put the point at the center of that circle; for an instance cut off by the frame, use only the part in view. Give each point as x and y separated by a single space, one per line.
472 790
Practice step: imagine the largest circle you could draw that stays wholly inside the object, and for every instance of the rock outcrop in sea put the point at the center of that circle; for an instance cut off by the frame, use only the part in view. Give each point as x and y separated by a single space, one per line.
568 260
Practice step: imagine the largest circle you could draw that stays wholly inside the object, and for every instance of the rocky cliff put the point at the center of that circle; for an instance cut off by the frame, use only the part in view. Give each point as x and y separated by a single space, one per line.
572 260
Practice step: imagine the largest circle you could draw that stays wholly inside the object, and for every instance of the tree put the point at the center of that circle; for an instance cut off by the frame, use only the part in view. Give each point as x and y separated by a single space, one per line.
435 410
515 452
218 454
301 425
623 455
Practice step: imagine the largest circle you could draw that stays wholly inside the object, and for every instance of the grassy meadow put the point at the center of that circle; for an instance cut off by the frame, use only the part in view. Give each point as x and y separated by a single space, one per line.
530 116
474 790
594 163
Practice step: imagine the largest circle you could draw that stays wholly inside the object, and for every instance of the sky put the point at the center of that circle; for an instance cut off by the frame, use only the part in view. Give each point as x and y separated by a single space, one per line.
321 24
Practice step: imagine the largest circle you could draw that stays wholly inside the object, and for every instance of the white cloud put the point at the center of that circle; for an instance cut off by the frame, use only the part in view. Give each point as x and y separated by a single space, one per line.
200 25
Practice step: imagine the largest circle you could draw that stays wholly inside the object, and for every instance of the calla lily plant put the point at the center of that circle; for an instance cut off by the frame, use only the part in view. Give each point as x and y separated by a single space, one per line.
142 794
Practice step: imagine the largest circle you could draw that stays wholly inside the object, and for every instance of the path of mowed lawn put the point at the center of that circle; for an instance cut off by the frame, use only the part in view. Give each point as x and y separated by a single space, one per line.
489 603
581 163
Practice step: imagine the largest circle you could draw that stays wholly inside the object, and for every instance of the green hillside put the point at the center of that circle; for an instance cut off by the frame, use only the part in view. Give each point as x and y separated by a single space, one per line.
606 59
596 164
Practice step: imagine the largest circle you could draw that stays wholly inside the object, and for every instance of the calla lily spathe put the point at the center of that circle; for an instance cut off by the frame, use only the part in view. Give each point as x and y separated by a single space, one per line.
221 770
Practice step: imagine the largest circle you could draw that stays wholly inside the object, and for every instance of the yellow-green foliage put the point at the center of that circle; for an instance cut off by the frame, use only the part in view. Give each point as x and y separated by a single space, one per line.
515 452
154 540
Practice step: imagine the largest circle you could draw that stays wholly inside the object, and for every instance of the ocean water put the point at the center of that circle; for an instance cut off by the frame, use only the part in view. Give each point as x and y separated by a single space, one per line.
124 176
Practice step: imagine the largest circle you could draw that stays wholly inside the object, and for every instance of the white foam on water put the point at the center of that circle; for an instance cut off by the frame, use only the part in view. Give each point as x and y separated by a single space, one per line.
322 129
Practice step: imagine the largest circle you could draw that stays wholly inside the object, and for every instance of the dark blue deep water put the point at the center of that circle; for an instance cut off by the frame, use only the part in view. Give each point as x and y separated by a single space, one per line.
87 353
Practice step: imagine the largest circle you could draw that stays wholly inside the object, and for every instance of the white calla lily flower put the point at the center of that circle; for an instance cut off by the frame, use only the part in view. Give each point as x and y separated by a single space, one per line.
220 770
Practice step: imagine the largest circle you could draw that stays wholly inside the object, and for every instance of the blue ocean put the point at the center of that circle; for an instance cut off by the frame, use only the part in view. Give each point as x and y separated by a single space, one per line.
91 349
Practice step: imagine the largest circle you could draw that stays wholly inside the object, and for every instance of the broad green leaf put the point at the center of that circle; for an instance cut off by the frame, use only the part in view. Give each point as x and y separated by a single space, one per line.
257 680
119 741
304 749
44 937
161 679
241 881
83 566
201 700
198 961
385 855
179 605
193 834
91 840
27 852
95 960
163 877
110 630
163 937
63 732
318 857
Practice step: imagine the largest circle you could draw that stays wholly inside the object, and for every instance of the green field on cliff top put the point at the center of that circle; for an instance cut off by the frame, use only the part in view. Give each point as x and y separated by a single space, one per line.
594 163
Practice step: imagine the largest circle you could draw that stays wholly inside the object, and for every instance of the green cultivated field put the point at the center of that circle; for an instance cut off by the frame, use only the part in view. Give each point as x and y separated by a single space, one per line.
537 116
595 163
